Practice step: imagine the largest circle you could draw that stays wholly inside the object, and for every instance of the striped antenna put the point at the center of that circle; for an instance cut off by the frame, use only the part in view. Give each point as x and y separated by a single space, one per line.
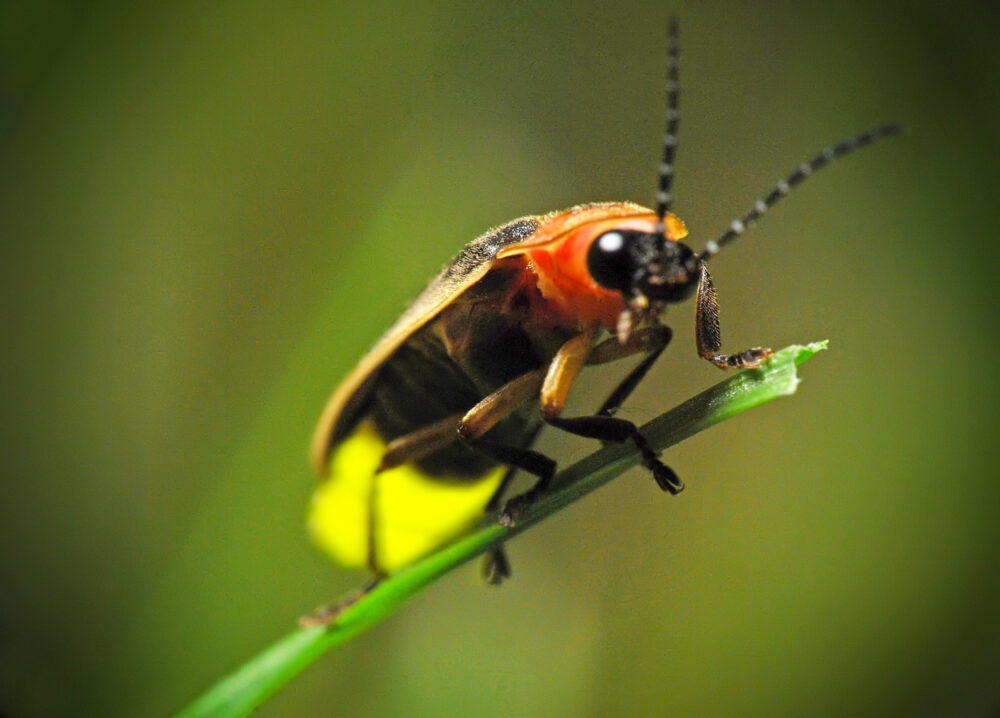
844 147
666 170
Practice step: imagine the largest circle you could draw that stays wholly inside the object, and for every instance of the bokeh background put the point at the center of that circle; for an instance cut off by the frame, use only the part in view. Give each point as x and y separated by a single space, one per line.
210 210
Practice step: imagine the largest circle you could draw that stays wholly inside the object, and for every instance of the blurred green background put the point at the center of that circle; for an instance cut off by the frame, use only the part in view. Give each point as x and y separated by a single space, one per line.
209 212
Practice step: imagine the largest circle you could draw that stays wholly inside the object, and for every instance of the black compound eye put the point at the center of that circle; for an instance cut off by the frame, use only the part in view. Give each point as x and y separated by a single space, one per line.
609 261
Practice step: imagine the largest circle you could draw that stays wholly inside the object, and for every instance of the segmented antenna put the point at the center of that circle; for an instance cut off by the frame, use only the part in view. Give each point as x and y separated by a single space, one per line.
783 187
666 170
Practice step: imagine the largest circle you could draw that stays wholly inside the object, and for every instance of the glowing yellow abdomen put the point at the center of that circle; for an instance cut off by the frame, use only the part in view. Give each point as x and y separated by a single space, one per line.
410 512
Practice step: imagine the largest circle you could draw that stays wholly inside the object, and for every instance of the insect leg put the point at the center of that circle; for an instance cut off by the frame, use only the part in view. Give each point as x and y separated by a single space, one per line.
562 372
533 462
608 428
653 340
325 615
419 443
485 415
709 335
567 362
469 426
495 567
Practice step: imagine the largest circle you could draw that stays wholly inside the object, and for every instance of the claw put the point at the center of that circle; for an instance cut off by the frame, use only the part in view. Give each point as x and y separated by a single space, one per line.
515 507
496 566
666 478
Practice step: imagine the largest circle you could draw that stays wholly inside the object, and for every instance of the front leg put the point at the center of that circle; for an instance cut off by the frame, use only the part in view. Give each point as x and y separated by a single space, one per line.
708 334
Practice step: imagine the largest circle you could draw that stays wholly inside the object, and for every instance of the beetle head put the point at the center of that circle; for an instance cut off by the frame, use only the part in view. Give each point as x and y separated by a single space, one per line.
648 270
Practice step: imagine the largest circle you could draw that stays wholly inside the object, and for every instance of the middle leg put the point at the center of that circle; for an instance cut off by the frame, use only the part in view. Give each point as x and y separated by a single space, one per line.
559 378
602 425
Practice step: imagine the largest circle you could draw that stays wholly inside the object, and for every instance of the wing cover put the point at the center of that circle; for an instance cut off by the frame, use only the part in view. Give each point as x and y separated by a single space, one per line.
462 272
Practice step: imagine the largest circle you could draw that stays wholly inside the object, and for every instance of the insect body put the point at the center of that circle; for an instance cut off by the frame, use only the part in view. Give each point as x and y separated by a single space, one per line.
417 442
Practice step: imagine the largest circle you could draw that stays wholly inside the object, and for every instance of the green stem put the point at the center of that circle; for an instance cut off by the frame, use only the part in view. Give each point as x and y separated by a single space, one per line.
260 677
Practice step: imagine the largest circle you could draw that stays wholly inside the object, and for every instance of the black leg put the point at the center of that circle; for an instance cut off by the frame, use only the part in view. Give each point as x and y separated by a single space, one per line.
659 339
496 566
533 462
495 500
607 428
